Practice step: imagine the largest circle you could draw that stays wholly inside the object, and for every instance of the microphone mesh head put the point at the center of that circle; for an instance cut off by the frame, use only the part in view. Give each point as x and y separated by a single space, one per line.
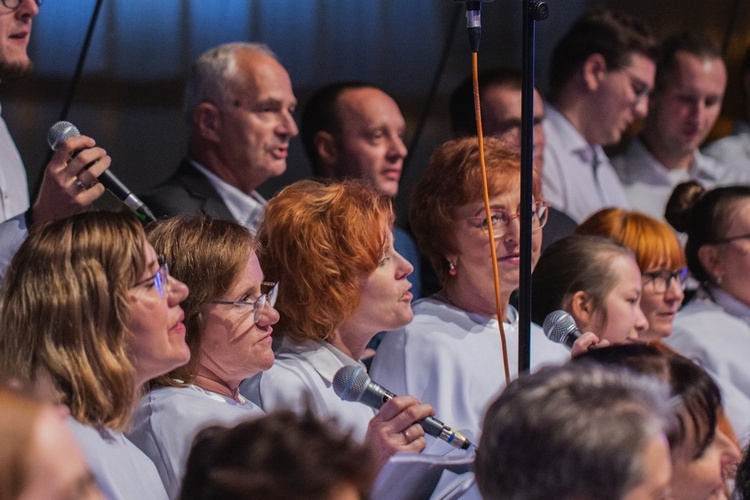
61 132
350 382
557 326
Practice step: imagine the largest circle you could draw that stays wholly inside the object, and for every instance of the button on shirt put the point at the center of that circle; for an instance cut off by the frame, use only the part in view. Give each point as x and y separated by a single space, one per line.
248 210
578 177
648 184
14 192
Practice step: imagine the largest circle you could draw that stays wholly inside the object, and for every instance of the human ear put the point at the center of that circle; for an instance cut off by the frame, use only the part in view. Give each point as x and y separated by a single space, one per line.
710 257
325 147
581 308
593 70
207 121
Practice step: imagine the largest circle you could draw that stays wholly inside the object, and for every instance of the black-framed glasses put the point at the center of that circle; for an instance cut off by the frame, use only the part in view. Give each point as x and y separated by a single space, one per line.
662 280
257 305
501 219
160 280
640 88
14 4
733 238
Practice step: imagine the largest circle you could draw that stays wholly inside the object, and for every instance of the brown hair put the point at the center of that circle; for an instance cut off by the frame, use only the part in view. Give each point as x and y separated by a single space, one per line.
317 241
18 416
64 310
208 255
572 264
452 179
653 242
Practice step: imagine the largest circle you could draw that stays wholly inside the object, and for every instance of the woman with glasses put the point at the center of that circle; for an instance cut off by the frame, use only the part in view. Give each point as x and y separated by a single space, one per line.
451 354
715 326
340 282
659 256
228 316
88 306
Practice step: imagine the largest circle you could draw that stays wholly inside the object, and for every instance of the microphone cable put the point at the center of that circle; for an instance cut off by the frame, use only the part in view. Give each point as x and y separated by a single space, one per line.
474 24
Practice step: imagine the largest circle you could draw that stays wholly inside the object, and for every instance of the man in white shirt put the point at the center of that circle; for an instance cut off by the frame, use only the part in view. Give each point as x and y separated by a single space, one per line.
601 73
69 184
734 149
239 108
690 81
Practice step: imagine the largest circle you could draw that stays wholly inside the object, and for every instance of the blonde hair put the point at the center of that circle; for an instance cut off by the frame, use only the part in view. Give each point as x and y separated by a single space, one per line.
317 241
64 310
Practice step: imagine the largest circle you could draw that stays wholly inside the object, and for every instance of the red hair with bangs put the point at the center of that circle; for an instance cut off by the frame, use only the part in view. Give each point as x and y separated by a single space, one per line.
317 241
453 179
653 242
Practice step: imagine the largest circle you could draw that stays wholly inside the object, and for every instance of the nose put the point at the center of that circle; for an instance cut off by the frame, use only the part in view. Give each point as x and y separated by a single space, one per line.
730 453
641 107
674 292
404 267
269 316
27 8
287 125
178 291
640 324
397 149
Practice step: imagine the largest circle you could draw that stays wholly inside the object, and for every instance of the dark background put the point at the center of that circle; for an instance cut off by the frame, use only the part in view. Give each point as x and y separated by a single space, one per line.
129 99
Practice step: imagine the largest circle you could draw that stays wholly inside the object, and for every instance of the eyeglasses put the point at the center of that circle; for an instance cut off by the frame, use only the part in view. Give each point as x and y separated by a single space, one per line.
14 4
662 280
501 219
160 280
733 238
640 88
257 305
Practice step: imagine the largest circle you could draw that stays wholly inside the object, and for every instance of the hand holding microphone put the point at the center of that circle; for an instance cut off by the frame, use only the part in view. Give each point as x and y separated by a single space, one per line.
61 137
351 383
560 327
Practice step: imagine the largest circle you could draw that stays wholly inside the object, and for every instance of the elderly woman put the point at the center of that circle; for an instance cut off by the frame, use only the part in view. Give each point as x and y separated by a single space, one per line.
340 282
451 354
88 304
597 281
228 317
659 256
577 432
715 326
702 455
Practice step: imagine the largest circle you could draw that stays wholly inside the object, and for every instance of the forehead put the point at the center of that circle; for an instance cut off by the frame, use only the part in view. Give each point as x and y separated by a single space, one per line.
642 67
505 102
368 105
260 76
689 70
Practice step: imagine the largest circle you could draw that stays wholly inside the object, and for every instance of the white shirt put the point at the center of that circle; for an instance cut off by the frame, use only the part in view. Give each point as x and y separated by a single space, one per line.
301 378
248 210
453 360
14 189
121 470
168 419
714 328
734 150
571 184
648 184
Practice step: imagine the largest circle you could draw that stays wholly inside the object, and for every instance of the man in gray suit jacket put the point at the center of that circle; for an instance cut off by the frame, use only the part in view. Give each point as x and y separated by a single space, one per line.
239 107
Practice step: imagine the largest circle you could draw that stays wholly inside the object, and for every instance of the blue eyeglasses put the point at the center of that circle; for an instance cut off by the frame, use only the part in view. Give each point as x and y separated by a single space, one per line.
160 280
662 280
14 4
257 305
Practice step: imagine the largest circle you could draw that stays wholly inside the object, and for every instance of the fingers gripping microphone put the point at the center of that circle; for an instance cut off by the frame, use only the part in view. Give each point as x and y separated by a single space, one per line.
61 132
351 383
560 327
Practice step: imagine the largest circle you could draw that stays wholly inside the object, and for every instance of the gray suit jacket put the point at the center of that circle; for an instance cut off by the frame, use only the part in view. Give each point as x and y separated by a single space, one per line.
187 191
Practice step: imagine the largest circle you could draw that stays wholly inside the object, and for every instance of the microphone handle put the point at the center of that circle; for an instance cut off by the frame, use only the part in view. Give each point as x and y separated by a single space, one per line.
113 184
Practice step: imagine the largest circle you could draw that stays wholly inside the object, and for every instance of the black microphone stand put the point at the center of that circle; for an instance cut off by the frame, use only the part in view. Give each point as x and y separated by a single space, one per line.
533 11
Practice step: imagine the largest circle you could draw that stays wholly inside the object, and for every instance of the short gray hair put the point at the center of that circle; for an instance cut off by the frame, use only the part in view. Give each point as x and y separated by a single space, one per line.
213 73
574 431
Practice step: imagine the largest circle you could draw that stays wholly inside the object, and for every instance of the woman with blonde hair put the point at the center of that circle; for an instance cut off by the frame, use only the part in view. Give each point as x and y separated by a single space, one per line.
89 305
330 247
659 256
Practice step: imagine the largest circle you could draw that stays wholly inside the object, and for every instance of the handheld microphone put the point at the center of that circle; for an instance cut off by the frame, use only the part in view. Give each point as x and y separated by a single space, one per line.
61 132
351 383
560 327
